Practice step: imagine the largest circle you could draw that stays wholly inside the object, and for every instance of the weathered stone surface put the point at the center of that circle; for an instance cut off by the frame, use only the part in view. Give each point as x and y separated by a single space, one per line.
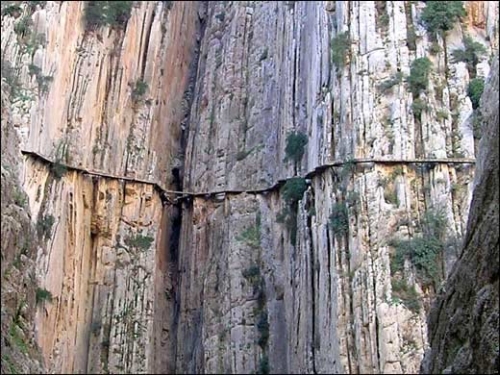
105 258
464 320
20 353
265 70
223 286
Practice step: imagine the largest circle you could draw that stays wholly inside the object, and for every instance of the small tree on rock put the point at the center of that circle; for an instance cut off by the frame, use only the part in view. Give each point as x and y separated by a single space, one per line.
441 16
295 146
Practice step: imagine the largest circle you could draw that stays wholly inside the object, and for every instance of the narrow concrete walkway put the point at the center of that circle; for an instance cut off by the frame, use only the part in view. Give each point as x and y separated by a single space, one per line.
179 195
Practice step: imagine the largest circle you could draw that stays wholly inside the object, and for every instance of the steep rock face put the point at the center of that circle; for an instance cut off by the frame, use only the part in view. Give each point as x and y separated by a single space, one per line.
109 101
238 281
20 353
464 320
249 297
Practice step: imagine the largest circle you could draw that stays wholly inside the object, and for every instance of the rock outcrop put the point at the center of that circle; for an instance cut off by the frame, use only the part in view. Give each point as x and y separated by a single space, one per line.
20 293
464 321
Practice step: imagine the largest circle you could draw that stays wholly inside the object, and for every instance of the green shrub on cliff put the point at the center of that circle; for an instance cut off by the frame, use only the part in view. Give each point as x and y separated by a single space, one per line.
43 294
475 90
13 10
471 54
423 251
293 190
339 219
139 241
441 16
44 225
263 365
339 49
419 75
107 13
139 90
406 293
295 146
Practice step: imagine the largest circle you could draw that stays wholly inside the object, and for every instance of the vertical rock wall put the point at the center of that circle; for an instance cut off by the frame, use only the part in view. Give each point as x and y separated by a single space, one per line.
464 320
250 298
20 292
108 100
227 283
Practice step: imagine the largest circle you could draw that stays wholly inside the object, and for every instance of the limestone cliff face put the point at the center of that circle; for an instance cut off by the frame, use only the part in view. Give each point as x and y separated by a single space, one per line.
111 101
201 96
20 293
463 324
325 303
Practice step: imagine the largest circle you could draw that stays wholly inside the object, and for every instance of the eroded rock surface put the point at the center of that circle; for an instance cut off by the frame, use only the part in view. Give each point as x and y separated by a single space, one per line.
201 97
464 320
20 292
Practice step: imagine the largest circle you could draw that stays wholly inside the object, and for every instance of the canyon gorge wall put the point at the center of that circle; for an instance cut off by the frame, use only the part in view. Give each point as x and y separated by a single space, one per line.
464 319
201 97
100 257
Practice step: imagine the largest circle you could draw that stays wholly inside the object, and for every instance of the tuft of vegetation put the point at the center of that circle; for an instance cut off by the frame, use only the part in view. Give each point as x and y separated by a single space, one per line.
384 19
221 16
13 10
442 114
347 168
475 91
339 219
43 82
294 189
58 169
339 47
140 241
411 38
34 70
139 90
263 365
7 363
32 42
263 328
107 13
44 225
16 338
435 48
251 236
23 26
441 16
397 171
388 84
295 146
353 198
11 76
419 75
292 192
406 293
390 195
418 106
423 251
43 295
471 54
20 198
251 272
